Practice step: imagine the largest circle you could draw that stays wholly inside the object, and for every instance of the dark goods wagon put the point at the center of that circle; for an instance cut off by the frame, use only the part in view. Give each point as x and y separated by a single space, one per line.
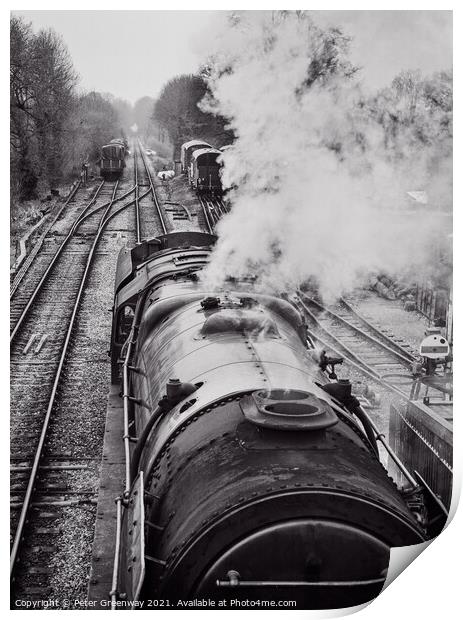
250 475
112 160
205 172
187 149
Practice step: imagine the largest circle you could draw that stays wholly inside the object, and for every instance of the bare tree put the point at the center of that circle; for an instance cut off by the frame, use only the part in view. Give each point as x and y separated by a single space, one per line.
52 127
177 110
22 100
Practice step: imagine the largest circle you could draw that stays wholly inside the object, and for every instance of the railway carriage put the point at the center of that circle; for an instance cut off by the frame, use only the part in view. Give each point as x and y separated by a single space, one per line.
205 170
187 150
112 161
250 474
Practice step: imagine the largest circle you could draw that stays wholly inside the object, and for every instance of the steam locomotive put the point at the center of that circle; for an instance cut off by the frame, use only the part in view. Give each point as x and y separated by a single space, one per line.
250 474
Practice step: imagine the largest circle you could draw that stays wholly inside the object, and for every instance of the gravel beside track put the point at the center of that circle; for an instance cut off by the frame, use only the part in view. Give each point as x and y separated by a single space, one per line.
55 561
390 317
152 223
36 351
372 354
82 412
182 207
41 256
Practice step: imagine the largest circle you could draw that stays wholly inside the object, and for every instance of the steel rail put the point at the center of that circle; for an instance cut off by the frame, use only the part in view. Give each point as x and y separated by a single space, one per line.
221 206
35 466
376 330
356 356
106 204
225 206
137 198
35 250
153 191
352 359
216 206
213 210
378 435
53 261
395 350
82 217
206 214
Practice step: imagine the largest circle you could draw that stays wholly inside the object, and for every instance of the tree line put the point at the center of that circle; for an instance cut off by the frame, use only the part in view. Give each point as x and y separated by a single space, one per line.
177 111
53 127
410 118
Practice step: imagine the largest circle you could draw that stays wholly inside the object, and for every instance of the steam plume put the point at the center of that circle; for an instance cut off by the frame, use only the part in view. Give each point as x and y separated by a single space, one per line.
310 199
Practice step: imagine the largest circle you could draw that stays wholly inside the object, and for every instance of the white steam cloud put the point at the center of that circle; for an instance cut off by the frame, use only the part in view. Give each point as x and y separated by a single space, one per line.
309 200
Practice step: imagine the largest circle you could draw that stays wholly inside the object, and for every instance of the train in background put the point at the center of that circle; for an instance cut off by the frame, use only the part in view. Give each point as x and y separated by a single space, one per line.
201 162
112 161
252 471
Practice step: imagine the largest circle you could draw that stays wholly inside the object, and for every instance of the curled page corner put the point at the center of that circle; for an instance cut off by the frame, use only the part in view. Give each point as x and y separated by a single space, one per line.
401 558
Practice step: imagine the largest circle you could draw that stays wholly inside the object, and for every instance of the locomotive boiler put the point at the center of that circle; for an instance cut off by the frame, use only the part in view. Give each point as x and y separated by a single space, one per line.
250 475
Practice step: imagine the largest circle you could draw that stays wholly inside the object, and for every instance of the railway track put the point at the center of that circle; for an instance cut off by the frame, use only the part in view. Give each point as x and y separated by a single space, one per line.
137 196
40 343
25 267
38 248
25 290
213 209
377 355
153 219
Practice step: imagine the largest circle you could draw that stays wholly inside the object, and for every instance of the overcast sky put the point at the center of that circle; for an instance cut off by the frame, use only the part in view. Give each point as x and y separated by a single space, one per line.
133 53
